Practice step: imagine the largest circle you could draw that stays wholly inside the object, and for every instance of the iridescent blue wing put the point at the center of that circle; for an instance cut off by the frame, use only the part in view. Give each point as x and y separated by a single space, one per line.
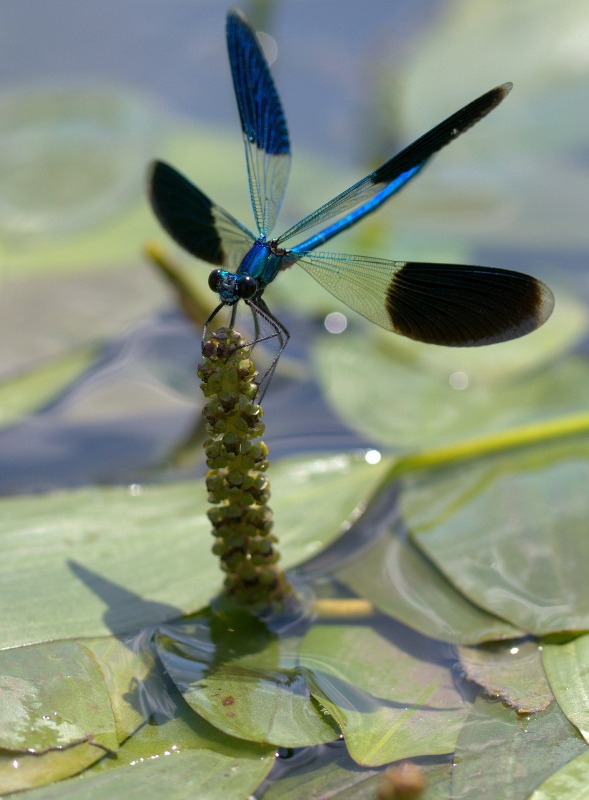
449 304
267 147
194 221
371 192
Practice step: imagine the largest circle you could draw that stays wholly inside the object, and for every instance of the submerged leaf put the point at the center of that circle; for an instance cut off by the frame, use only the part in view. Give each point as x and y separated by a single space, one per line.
391 700
334 774
570 782
509 671
243 680
500 754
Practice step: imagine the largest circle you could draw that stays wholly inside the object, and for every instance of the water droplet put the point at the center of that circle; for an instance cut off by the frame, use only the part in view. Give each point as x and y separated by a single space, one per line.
372 456
336 322
459 380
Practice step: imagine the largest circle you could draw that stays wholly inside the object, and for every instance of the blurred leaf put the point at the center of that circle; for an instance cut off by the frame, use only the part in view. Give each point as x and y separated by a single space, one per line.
566 668
94 283
571 782
119 237
47 318
503 363
538 46
408 708
71 155
242 679
510 532
511 672
492 185
144 554
335 775
423 395
395 575
502 755
26 393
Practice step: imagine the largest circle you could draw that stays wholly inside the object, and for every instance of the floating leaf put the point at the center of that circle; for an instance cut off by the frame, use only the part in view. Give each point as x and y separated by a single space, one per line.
53 697
500 754
55 714
422 396
395 575
235 674
21 771
390 700
152 540
130 674
510 532
566 668
180 759
571 782
509 671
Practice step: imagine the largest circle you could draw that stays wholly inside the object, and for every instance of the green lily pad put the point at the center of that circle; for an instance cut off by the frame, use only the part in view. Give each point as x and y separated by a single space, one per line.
180 758
407 708
571 782
143 704
100 561
500 754
509 671
566 668
236 675
55 714
21 771
395 575
53 697
127 672
422 396
510 532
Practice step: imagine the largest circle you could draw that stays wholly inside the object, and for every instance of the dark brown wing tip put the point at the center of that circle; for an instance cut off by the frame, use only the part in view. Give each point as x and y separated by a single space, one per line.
465 306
